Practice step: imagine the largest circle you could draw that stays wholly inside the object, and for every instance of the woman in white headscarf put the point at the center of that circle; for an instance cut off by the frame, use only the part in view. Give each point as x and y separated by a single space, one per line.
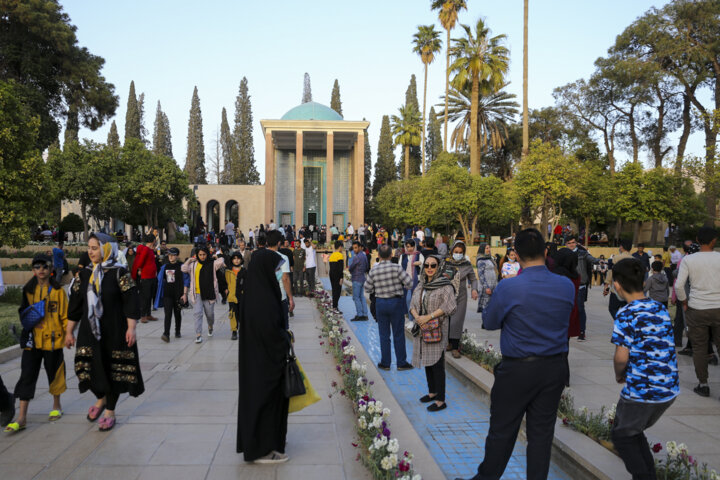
105 302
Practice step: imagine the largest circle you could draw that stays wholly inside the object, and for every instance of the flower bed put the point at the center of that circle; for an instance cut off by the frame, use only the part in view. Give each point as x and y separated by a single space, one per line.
677 464
377 449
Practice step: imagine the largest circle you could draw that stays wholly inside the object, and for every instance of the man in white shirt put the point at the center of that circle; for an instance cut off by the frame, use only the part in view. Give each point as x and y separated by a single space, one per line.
310 264
702 306
420 234
274 239
230 233
350 230
251 239
272 225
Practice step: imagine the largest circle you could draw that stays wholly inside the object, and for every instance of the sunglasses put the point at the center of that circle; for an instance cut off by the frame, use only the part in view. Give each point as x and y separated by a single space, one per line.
40 267
430 265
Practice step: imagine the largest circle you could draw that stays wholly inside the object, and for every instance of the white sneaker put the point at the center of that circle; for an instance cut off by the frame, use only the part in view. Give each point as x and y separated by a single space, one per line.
198 339
210 332
273 457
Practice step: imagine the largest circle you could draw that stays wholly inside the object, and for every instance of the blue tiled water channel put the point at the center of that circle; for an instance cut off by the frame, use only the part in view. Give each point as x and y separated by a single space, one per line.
455 436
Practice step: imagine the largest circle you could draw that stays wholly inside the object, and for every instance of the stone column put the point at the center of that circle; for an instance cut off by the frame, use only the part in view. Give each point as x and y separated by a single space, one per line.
329 174
299 178
358 185
269 176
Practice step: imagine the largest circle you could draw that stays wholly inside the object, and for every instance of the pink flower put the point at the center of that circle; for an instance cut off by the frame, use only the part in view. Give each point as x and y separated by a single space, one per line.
404 466
656 448
566 421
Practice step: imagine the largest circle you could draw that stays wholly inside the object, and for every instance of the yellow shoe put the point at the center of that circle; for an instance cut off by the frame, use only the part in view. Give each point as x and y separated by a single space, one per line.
55 415
14 427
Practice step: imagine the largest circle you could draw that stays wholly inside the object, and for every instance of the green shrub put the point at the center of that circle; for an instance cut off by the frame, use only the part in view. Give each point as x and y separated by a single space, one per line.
12 296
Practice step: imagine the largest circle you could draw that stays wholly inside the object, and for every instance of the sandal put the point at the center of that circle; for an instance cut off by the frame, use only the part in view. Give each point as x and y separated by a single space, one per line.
106 424
55 415
456 354
94 413
14 427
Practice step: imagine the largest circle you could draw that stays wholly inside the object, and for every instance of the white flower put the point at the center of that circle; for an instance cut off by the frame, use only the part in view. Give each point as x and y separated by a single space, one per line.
377 422
371 408
362 423
378 405
349 350
380 442
405 477
362 408
385 412
359 382
393 446
672 449
610 415
417 477
389 462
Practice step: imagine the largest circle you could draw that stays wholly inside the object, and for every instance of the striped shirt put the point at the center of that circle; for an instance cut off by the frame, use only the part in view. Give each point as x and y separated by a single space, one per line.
387 280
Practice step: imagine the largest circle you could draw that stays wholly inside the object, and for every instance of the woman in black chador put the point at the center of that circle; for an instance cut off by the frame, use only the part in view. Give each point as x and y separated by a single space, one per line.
264 344
105 301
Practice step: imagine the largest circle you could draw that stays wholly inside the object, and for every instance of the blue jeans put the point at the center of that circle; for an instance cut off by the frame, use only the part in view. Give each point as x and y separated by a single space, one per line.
358 289
408 298
390 317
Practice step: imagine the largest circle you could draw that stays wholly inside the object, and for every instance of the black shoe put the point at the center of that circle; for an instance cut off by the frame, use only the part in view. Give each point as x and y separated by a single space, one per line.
702 390
427 398
177 335
364 318
581 337
291 314
383 367
434 407
407 366
6 416
165 338
356 319
234 336
685 351
713 360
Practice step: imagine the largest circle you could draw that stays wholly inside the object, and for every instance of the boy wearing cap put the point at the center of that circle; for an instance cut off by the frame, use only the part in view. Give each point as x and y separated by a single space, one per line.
44 343
235 278
172 292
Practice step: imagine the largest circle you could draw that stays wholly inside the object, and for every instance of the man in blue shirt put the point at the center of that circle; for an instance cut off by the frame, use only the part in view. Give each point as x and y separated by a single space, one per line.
533 311
645 361
358 268
58 255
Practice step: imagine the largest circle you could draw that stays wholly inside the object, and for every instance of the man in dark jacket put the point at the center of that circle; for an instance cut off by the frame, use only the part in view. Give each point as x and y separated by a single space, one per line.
298 256
171 292
585 263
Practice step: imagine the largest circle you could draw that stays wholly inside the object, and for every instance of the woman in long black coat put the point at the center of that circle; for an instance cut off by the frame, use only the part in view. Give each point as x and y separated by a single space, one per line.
264 345
105 302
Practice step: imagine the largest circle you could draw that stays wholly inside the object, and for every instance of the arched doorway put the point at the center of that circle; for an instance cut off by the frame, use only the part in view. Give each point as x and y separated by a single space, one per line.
232 212
212 216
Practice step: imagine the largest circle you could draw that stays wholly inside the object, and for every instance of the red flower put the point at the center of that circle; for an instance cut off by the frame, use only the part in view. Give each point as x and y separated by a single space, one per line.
342 392
565 421
656 448
403 466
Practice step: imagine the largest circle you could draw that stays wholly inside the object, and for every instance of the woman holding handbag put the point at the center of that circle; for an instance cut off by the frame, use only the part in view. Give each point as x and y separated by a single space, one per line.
432 304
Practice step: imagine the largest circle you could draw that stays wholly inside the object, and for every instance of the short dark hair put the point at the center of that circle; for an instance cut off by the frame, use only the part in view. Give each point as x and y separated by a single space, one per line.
261 240
274 237
149 238
706 235
355 242
410 242
572 237
429 242
657 266
384 252
530 244
626 244
640 245
338 244
630 274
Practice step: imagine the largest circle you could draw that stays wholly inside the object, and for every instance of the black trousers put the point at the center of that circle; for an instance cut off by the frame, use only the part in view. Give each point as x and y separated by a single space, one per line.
6 398
30 364
336 290
631 420
530 389
111 400
172 306
435 375
310 277
614 304
679 325
147 286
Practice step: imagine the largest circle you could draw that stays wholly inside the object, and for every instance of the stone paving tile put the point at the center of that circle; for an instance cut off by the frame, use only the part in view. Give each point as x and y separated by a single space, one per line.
184 425
454 436
592 383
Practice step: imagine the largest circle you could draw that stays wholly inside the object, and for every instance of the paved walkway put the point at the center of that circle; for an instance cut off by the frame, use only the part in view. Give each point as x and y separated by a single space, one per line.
184 425
692 419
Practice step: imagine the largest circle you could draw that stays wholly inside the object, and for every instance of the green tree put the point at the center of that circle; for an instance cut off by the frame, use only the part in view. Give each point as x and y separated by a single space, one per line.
72 223
335 102
591 195
23 175
113 139
195 159
406 131
543 180
56 78
367 190
396 202
227 145
385 169
525 113
307 91
411 98
433 145
478 58
132 115
426 44
162 139
244 170
448 11
630 196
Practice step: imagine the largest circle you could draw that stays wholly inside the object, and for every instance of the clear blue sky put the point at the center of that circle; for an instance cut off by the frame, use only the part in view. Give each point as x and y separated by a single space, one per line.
168 47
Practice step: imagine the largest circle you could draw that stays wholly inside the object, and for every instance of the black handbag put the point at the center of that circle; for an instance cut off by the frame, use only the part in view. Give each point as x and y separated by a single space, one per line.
293 381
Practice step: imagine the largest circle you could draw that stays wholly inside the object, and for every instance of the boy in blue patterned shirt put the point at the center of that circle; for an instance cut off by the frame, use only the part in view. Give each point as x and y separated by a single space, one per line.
646 363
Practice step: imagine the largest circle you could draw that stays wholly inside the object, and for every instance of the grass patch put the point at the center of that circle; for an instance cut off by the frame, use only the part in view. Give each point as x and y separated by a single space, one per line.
9 304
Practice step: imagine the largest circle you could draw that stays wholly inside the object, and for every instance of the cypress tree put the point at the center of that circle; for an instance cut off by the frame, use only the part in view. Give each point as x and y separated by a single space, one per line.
385 169
226 144
72 125
141 117
368 171
335 102
243 159
434 145
132 115
195 159
307 92
162 140
411 98
113 139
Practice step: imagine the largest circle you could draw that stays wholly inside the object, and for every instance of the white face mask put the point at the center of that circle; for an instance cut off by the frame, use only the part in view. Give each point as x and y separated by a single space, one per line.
458 256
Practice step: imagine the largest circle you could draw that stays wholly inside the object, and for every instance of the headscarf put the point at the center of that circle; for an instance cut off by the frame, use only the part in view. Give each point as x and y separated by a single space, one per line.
481 252
565 263
451 261
440 279
109 249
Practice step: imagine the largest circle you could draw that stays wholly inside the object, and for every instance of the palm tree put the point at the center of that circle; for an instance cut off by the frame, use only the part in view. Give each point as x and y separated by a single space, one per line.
448 14
526 116
478 58
427 44
406 130
496 111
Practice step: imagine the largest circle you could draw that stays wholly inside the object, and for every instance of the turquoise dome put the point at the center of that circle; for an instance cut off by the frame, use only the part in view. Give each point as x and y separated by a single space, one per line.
311 111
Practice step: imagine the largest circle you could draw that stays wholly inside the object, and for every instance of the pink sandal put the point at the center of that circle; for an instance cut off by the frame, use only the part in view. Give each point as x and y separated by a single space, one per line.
94 413
106 424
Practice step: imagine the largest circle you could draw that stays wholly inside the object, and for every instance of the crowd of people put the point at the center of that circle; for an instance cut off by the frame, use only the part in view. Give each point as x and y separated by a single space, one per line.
416 278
